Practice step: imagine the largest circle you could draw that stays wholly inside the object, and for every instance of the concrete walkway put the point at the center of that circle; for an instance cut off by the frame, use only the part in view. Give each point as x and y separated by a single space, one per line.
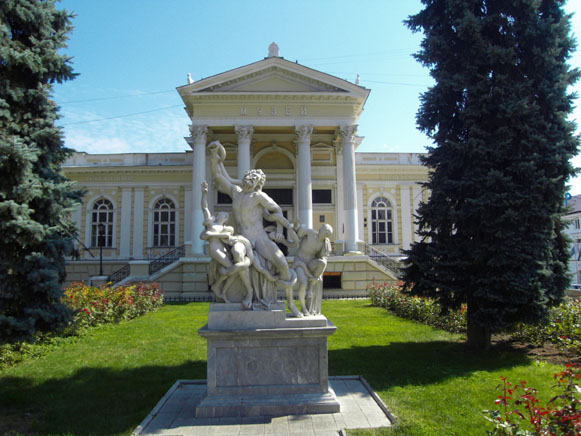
174 414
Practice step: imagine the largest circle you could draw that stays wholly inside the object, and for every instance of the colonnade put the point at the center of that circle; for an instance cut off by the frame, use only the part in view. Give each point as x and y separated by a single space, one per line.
346 147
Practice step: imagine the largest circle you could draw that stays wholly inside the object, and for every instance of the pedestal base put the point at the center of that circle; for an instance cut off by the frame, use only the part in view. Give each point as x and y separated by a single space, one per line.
267 405
261 363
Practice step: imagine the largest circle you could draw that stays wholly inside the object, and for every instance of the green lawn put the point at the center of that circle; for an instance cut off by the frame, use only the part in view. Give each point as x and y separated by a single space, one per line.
107 382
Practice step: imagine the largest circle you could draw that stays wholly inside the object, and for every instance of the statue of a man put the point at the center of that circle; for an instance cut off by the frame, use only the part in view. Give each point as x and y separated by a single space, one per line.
250 206
231 254
310 264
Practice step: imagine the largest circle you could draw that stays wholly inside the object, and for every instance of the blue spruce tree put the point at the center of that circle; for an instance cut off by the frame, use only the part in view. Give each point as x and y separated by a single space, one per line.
491 231
35 198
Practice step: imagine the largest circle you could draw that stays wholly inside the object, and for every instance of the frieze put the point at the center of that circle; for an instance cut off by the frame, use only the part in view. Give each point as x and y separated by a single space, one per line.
109 178
273 111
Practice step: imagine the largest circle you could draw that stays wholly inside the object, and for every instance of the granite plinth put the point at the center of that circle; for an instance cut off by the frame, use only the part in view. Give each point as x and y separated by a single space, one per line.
263 363
231 316
267 405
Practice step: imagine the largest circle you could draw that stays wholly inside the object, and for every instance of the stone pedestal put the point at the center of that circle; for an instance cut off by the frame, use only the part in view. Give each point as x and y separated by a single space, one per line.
261 363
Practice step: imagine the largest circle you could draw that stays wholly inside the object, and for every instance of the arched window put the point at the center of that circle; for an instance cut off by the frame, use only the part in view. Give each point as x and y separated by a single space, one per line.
102 224
381 221
164 223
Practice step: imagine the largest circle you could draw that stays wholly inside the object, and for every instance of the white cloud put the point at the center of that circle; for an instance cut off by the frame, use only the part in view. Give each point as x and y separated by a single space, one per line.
161 131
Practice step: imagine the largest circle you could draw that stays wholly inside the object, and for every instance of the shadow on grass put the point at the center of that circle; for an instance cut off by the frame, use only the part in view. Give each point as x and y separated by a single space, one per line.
417 363
101 401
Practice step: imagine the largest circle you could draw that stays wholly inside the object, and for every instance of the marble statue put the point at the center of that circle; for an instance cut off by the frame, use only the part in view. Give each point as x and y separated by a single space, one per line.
273 50
310 263
231 255
248 255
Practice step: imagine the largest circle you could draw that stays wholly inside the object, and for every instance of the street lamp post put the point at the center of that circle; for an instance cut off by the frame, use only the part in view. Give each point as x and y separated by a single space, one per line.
101 231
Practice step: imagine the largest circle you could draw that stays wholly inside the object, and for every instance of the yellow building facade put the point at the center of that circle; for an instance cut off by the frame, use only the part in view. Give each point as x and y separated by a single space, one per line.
299 126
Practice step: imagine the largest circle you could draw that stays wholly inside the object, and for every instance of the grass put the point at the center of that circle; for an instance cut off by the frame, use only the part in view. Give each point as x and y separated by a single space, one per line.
107 382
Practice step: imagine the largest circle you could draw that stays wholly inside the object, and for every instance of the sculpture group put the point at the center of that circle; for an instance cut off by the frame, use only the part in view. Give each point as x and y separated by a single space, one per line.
246 263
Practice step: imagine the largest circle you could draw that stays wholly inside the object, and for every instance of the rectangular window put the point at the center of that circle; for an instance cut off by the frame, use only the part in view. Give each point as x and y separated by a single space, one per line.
322 196
332 280
282 197
576 224
224 198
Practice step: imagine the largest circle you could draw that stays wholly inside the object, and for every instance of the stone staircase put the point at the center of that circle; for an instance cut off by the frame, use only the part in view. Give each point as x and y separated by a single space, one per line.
184 276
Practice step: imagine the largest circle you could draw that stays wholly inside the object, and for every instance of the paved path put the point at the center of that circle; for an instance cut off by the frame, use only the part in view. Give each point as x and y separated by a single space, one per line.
174 414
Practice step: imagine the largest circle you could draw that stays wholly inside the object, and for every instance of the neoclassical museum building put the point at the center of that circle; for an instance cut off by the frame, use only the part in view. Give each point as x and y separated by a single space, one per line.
141 216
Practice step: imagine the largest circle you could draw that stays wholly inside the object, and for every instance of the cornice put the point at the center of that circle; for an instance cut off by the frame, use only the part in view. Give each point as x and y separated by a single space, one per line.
269 96
266 64
128 169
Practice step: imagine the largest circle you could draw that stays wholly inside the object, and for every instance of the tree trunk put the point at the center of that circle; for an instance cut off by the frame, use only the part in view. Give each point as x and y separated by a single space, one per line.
478 337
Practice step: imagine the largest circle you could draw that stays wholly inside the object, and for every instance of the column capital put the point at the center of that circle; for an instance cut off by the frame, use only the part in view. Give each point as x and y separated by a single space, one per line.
304 132
347 133
199 133
244 132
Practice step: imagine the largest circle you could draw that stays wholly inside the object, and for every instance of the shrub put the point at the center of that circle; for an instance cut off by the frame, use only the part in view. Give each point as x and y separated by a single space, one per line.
422 309
563 327
522 414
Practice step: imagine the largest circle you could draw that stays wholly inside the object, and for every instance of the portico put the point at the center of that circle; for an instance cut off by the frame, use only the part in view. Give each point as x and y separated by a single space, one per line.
299 126
296 116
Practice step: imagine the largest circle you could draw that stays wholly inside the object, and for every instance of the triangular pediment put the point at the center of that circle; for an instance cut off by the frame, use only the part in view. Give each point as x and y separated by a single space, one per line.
273 75
273 79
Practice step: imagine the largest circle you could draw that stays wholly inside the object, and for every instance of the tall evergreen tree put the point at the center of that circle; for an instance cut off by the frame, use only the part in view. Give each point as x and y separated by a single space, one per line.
491 231
35 198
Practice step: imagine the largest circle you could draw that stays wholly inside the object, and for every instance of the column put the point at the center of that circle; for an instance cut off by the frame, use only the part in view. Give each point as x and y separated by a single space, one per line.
340 228
138 211
244 137
125 239
199 134
347 134
305 186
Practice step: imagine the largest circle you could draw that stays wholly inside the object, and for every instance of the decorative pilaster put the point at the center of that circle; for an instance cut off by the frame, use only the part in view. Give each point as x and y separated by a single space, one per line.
347 134
244 138
138 212
406 217
199 138
305 186
125 233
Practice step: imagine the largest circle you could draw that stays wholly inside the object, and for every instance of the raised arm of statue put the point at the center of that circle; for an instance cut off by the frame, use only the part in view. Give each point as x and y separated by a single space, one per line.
217 156
205 208
224 182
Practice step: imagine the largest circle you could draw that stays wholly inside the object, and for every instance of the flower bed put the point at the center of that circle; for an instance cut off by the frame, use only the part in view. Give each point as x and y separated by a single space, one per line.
521 412
101 305
92 306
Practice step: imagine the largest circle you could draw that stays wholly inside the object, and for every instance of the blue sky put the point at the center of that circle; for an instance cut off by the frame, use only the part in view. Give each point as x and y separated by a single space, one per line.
132 54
